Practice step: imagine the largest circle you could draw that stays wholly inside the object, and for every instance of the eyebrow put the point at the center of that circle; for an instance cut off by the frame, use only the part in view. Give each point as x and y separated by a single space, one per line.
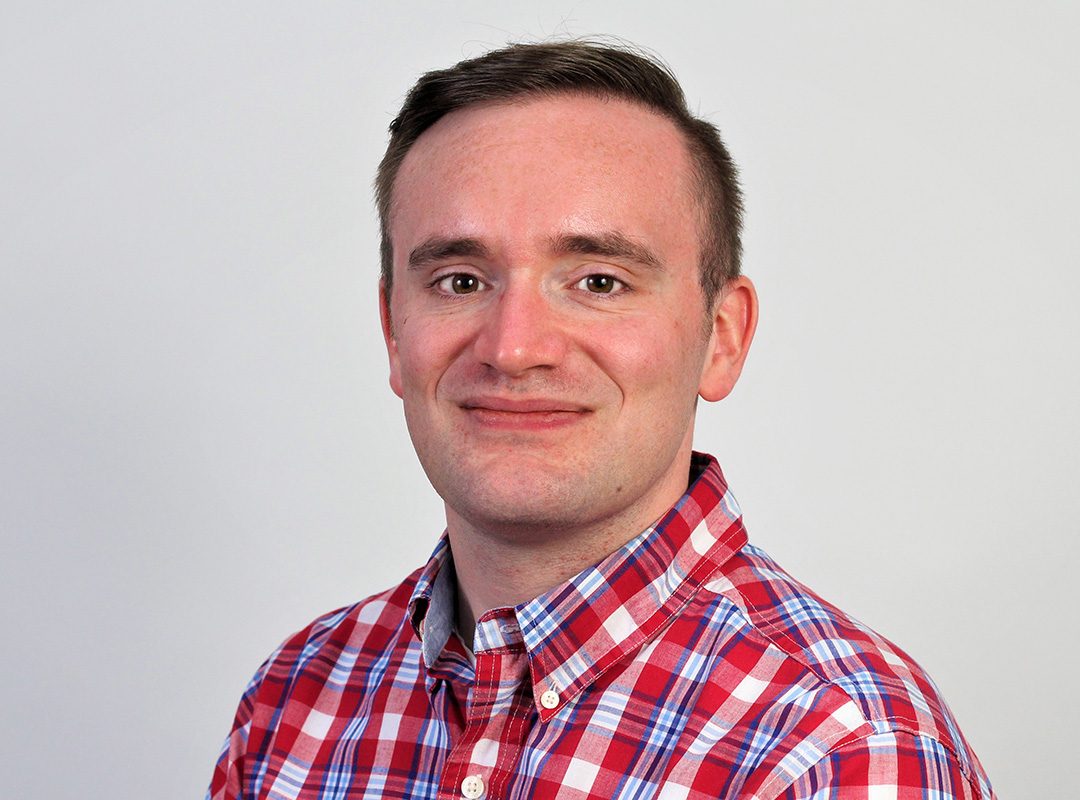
611 244
439 249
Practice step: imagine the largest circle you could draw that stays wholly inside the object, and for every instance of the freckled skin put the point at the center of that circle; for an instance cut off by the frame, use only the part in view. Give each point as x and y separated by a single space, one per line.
621 368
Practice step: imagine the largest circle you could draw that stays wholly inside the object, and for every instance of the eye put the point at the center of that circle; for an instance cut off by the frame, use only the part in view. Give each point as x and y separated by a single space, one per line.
459 283
601 284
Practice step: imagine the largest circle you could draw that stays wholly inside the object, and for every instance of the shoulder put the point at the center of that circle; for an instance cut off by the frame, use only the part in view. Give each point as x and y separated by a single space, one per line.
893 764
336 643
892 708
301 687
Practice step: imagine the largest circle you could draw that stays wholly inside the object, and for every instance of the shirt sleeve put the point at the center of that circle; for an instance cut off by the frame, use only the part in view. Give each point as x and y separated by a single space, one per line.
897 765
227 781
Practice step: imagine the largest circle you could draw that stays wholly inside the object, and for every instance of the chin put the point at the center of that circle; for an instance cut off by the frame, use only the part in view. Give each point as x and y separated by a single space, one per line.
520 501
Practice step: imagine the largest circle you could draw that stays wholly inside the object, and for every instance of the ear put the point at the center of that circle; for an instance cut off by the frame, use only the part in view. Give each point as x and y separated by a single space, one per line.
734 319
388 337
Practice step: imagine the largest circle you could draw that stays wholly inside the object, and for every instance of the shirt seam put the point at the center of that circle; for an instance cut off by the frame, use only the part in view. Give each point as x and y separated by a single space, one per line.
842 744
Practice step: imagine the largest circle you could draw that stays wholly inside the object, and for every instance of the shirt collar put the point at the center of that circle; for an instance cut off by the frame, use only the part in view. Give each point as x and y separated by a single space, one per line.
578 629
433 607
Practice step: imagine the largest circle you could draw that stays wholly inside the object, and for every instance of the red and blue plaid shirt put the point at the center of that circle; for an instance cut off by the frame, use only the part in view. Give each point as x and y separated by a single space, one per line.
685 665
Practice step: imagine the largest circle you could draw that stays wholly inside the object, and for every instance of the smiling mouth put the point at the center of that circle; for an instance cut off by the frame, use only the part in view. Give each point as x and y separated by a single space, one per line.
522 414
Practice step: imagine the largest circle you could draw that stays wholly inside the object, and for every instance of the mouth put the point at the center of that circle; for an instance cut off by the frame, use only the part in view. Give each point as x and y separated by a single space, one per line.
522 413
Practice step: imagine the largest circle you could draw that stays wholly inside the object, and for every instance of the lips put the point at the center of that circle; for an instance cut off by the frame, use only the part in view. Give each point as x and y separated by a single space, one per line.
521 405
522 413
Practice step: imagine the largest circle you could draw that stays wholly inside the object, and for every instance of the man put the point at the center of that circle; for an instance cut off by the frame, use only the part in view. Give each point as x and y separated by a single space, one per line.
560 284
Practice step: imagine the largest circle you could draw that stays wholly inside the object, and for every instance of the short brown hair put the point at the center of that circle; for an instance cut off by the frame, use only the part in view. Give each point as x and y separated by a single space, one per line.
581 67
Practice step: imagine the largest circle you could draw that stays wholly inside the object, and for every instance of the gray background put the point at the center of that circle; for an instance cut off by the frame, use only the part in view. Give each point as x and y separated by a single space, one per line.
199 452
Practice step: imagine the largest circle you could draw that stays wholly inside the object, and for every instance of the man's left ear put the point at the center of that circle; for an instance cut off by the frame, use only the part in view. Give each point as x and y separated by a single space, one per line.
734 319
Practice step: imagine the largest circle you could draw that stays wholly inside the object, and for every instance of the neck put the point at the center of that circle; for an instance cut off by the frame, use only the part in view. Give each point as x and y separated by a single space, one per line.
499 566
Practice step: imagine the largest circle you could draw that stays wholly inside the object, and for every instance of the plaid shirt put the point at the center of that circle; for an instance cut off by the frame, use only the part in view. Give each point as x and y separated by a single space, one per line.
686 664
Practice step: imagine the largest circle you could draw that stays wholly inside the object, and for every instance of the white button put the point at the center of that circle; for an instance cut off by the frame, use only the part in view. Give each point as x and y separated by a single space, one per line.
472 787
549 699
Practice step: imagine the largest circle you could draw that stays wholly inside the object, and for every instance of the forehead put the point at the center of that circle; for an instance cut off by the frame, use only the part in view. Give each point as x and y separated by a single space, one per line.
538 165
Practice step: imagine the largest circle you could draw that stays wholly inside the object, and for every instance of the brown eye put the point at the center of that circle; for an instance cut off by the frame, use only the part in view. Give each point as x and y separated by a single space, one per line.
600 284
460 283
464 284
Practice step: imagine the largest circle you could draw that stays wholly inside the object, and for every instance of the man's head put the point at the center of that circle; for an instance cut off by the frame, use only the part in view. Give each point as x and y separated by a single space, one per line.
577 67
544 282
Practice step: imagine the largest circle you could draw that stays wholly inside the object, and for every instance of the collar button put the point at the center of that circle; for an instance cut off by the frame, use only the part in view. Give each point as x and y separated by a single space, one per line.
549 699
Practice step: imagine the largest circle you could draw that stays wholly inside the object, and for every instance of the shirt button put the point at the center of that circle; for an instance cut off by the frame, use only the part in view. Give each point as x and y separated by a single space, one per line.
472 787
549 699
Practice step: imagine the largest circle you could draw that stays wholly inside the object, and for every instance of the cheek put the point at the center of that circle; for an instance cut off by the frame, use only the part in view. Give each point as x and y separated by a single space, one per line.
426 352
655 361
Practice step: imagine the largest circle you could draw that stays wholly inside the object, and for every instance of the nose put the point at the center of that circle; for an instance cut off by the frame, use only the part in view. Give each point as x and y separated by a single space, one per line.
520 331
